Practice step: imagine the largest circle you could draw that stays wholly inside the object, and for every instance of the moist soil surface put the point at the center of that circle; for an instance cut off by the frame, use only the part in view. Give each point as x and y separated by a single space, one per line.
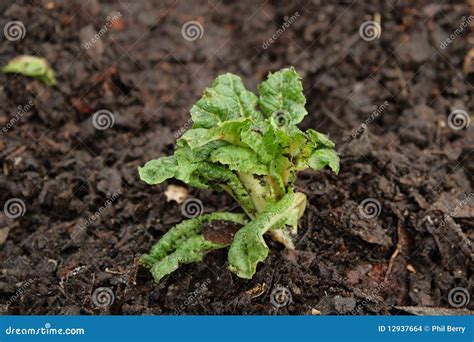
391 234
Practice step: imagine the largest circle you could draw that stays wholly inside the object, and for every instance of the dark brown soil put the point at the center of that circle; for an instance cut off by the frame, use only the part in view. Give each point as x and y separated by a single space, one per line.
408 159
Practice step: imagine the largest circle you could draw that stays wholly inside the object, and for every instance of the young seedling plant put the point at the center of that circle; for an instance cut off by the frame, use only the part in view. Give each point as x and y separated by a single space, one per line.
250 147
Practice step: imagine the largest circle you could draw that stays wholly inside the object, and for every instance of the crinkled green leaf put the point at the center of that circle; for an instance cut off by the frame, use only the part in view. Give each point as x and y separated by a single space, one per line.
297 141
324 157
184 244
185 154
249 247
240 159
227 99
282 98
190 250
158 170
220 176
184 230
262 141
320 138
228 131
31 66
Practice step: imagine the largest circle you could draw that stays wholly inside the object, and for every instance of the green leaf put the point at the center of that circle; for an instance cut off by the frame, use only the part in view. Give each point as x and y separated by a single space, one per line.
249 247
262 141
218 175
158 170
240 159
184 244
185 154
280 169
228 131
282 98
323 157
190 250
297 141
31 66
227 99
320 139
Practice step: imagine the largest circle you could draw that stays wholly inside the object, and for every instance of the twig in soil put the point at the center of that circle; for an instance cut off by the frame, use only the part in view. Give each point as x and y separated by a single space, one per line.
400 248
